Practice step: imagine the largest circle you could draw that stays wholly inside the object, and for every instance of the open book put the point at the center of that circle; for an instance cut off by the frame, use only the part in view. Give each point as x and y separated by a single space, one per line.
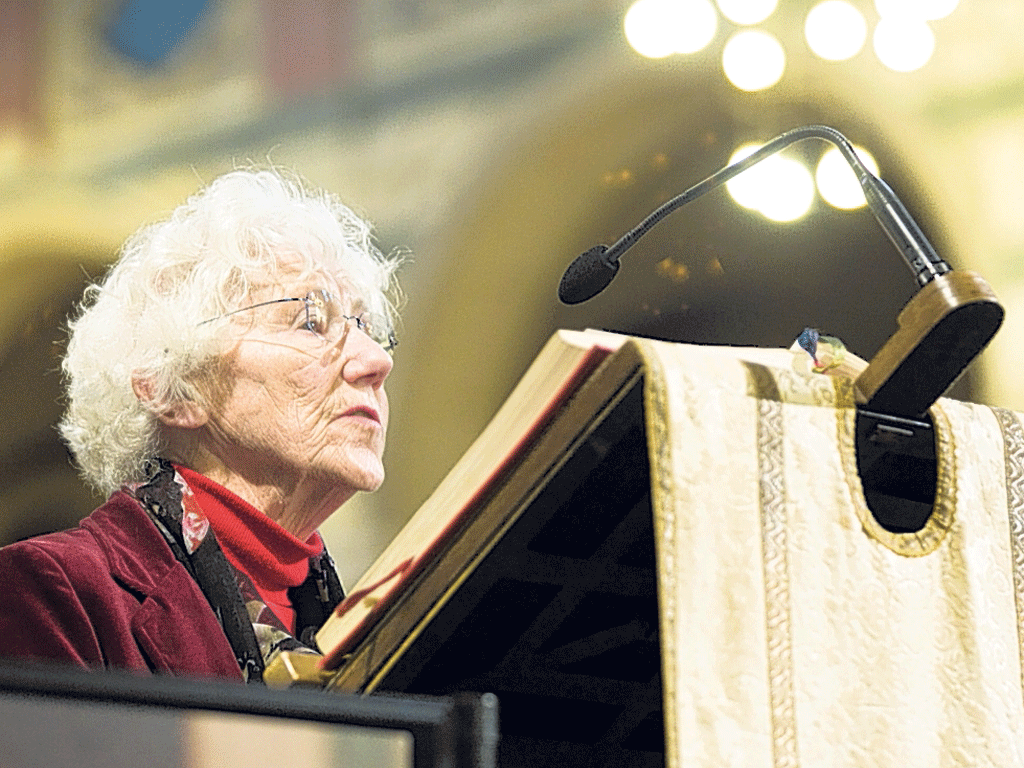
561 367
560 370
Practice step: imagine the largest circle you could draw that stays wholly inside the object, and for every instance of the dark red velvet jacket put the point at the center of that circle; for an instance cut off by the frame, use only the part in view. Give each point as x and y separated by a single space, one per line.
109 594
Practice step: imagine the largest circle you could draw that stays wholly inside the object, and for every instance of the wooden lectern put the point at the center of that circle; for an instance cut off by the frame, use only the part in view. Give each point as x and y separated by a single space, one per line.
547 597
658 571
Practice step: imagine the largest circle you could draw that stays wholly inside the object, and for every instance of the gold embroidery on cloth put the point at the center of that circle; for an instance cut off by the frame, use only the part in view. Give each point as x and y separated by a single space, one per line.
1013 454
775 561
928 539
663 492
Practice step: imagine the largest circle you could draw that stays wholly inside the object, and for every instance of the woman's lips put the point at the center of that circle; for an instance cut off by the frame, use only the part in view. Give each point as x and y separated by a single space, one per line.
362 411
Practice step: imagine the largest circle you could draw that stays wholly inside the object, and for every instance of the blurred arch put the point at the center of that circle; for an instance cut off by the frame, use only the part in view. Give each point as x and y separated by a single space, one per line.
582 170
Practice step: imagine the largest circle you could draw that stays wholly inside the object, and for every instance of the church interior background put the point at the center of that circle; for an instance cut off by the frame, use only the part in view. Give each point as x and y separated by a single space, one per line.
493 142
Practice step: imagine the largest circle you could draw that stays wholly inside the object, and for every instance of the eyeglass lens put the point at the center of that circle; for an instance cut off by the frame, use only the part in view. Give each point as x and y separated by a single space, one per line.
324 317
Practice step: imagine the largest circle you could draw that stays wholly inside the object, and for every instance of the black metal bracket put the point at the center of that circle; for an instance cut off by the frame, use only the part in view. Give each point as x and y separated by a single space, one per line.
941 330
897 468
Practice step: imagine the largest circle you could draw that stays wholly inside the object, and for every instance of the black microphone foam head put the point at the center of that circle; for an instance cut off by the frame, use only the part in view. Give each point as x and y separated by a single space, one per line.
587 276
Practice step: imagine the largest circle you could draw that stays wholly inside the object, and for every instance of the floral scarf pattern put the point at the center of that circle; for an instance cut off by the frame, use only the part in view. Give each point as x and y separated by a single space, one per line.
254 631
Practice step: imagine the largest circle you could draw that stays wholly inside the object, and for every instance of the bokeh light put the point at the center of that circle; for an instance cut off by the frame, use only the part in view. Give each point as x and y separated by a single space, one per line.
923 10
659 28
779 187
745 188
835 30
747 11
753 60
837 182
903 44
793 191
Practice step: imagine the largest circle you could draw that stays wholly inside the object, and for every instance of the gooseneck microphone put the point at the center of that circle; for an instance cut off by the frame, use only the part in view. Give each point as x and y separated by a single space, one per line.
940 331
591 272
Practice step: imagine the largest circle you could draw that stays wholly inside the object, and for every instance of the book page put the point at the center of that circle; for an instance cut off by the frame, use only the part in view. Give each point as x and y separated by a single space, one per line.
559 370
564 363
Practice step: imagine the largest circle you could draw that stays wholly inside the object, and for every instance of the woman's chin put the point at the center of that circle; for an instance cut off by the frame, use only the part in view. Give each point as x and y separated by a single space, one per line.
366 476
373 483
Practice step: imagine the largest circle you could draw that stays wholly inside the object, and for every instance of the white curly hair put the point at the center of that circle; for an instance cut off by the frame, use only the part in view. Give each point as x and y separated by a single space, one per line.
144 318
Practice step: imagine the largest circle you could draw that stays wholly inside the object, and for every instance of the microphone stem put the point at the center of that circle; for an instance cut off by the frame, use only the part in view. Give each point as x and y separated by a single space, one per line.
896 222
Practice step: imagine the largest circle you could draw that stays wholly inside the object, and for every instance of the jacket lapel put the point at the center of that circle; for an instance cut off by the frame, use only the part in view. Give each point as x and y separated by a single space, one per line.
174 626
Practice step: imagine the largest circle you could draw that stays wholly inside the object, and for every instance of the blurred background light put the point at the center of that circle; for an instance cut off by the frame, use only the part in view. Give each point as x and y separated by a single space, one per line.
835 30
792 193
753 60
659 28
939 9
925 10
745 189
780 188
747 11
837 182
902 43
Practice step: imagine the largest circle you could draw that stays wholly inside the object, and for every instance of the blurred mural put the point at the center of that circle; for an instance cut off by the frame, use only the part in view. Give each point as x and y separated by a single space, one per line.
494 141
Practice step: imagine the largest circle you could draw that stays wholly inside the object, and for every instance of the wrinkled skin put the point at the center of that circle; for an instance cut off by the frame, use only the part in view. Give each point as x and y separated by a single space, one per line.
295 425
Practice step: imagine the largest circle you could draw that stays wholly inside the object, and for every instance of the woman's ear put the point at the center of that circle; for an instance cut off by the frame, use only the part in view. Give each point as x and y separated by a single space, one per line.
185 414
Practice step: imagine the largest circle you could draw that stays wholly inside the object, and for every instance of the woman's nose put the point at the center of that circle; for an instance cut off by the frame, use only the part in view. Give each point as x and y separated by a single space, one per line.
365 359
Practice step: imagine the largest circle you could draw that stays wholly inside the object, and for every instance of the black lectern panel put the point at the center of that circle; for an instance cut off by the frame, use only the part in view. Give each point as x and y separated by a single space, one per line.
560 618
55 717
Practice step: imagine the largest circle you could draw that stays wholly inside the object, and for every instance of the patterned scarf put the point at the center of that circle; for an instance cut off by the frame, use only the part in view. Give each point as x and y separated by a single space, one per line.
255 633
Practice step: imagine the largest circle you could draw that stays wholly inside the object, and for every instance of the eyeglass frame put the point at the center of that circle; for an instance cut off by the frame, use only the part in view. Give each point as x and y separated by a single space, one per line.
388 344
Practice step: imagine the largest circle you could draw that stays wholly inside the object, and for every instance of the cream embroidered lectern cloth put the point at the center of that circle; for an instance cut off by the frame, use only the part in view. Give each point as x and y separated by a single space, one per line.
796 630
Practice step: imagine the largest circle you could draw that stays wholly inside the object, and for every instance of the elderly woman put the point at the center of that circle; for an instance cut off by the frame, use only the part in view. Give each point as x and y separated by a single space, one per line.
225 385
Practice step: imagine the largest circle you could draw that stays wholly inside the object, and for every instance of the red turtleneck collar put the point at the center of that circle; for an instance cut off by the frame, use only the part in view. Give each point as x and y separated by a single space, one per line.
270 556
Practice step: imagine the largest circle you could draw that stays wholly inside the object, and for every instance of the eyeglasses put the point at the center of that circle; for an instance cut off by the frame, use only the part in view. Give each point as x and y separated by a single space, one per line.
325 319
